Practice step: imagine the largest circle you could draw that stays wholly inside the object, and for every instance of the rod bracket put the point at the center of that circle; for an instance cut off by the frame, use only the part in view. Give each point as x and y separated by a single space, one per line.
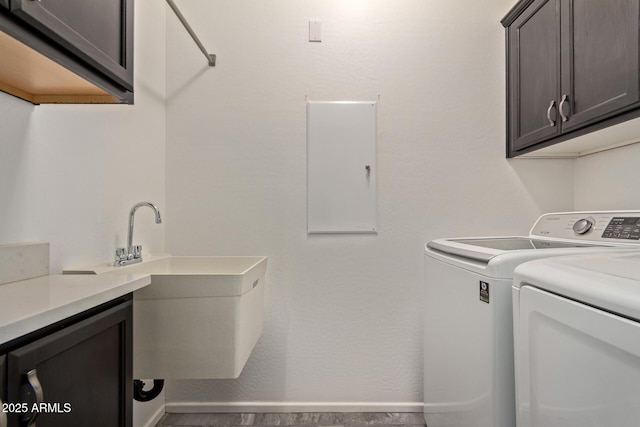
210 57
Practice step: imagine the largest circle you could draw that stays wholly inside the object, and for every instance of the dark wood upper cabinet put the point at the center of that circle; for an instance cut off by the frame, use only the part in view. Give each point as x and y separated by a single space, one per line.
535 74
84 47
572 68
599 58
95 30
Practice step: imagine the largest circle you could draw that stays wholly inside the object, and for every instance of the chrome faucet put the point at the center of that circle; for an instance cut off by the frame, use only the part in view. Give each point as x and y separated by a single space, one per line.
133 254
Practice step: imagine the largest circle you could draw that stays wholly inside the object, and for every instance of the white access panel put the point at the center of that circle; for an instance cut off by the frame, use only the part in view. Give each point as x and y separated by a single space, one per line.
577 365
341 167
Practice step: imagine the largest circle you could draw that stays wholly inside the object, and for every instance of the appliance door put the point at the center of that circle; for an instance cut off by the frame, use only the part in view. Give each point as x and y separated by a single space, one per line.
577 365
468 348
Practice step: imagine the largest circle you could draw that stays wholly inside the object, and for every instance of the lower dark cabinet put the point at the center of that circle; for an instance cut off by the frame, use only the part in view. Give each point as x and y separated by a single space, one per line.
80 375
3 388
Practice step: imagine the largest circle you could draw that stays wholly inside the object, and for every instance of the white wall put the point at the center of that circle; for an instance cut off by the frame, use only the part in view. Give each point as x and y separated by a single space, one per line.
70 174
608 180
343 320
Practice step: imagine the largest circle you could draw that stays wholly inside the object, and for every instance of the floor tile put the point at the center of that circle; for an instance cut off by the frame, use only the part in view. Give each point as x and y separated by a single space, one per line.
301 419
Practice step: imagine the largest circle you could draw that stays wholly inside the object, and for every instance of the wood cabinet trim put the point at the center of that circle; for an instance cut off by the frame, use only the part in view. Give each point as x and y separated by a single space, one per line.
515 11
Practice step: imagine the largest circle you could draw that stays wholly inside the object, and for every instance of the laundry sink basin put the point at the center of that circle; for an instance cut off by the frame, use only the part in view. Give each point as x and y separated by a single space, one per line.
200 317
197 276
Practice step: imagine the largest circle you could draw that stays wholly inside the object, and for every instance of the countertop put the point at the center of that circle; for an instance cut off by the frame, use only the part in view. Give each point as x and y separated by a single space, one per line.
28 305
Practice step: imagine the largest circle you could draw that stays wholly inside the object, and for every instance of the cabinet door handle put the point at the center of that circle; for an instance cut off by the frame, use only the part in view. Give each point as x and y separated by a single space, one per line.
552 122
3 416
34 383
564 99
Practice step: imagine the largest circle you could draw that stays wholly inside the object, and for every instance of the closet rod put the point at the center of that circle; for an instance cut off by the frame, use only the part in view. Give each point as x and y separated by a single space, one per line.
210 57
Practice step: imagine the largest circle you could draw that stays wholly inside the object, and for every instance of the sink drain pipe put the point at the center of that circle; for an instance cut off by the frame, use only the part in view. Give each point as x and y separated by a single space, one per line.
142 395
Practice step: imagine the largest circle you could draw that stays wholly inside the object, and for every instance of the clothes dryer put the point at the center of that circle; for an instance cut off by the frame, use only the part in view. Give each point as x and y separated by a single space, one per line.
468 327
577 330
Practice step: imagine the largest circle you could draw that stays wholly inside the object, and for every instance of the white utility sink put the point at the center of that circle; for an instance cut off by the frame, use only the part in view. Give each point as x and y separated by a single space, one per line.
199 318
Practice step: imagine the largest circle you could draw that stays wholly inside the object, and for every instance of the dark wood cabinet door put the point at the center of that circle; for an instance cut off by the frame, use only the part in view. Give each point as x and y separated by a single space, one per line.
599 59
84 370
3 383
100 32
3 390
534 70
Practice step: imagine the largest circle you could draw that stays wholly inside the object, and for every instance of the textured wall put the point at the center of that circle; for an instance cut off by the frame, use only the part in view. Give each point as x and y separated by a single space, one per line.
344 312
70 173
608 180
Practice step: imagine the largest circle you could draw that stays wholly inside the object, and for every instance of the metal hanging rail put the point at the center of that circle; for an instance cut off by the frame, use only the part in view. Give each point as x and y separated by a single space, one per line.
210 57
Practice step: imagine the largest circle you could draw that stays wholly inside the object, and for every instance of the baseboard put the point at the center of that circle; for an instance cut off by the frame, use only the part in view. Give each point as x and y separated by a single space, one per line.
153 420
285 407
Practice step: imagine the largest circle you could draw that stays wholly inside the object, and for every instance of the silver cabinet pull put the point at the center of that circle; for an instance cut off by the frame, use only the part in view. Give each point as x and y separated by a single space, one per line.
34 383
562 102
552 122
3 416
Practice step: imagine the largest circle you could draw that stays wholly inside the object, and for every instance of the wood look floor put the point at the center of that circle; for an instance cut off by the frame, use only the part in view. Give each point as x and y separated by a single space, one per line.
304 419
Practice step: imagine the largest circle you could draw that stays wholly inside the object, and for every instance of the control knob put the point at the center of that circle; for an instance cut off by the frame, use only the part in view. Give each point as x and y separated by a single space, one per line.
583 226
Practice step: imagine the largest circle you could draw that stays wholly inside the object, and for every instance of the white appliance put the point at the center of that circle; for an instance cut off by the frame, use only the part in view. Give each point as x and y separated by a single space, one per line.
577 328
468 326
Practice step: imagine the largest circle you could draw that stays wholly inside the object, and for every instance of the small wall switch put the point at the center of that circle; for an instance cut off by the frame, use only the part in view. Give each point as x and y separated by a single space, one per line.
315 31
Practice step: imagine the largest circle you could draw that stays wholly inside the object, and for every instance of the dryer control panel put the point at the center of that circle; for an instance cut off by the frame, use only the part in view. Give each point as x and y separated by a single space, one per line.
623 227
596 227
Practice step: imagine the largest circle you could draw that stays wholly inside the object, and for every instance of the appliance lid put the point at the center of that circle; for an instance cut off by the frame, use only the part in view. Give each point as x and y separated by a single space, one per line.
608 280
518 243
486 248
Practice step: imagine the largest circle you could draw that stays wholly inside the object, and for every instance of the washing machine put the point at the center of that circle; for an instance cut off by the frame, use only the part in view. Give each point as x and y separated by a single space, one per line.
577 329
468 328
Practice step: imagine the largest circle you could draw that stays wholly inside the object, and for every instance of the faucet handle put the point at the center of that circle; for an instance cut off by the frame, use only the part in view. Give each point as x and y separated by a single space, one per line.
137 251
121 254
